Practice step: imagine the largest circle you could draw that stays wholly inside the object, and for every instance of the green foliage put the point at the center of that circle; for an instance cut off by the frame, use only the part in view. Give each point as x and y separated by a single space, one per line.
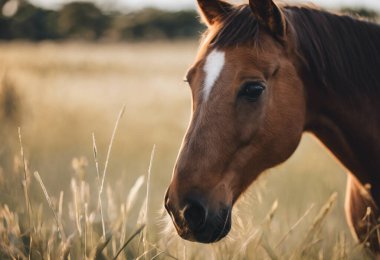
361 12
153 23
84 20
29 22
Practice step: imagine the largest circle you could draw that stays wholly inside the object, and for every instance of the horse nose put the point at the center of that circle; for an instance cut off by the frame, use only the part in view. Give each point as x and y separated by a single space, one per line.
195 215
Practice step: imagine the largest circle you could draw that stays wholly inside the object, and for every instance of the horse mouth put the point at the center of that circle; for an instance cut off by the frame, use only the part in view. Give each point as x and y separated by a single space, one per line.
212 232
214 237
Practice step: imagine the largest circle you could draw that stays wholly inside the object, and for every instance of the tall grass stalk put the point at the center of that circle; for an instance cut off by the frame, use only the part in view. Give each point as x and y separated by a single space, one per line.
310 239
85 229
131 199
51 206
138 231
100 204
74 188
110 147
322 215
292 228
101 184
148 183
25 183
60 206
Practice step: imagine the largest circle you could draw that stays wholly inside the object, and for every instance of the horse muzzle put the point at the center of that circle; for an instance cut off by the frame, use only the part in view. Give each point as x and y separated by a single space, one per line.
196 221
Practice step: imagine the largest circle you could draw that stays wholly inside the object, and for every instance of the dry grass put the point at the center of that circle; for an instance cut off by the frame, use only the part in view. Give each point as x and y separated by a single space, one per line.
96 198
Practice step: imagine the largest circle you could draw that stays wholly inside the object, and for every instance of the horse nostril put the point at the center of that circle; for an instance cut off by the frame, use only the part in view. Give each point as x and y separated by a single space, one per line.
195 215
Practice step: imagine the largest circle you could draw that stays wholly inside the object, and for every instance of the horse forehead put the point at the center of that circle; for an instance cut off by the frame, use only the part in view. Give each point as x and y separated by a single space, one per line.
213 63
212 69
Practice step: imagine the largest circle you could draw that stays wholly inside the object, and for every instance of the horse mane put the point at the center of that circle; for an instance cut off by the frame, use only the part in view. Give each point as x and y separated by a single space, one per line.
339 52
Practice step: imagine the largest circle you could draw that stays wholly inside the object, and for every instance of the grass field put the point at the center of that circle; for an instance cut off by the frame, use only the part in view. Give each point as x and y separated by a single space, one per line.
61 94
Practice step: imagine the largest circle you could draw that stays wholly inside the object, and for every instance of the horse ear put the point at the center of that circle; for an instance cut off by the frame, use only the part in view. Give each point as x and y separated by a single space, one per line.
269 15
213 10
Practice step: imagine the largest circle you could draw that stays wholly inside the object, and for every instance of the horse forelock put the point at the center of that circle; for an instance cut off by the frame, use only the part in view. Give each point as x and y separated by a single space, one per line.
238 27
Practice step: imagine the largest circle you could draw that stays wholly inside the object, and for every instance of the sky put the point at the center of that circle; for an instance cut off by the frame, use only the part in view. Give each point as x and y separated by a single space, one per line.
179 4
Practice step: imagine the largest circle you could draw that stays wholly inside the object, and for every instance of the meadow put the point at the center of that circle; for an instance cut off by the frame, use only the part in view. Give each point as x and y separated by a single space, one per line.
63 101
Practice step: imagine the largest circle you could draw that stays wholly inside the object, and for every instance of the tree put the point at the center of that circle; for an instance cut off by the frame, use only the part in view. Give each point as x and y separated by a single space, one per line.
82 20
29 22
153 23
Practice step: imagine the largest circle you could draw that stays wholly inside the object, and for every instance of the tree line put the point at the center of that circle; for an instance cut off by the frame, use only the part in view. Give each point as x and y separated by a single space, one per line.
84 20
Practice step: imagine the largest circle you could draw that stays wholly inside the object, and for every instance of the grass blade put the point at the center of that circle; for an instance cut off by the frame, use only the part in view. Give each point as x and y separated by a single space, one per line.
110 147
138 231
48 199
100 204
101 184
25 183
145 233
286 235
100 247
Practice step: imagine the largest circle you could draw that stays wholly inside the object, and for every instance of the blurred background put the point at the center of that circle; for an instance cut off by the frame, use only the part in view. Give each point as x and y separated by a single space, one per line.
66 70
123 20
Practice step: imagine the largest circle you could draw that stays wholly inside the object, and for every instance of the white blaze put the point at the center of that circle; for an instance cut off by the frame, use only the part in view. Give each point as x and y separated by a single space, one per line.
213 67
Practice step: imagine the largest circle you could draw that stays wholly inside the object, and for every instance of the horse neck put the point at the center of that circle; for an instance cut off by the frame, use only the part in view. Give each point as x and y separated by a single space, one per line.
350 129
343 108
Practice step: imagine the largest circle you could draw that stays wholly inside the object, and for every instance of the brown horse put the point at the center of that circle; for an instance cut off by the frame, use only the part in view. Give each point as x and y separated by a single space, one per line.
263 76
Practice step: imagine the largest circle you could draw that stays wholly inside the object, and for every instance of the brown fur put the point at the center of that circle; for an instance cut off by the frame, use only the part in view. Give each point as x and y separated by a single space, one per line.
269 16
321 74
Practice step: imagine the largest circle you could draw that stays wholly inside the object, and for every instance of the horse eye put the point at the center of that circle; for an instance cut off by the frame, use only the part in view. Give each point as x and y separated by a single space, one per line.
252 91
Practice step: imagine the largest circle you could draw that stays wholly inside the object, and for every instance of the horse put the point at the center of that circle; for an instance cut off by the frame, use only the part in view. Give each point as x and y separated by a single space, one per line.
265 74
